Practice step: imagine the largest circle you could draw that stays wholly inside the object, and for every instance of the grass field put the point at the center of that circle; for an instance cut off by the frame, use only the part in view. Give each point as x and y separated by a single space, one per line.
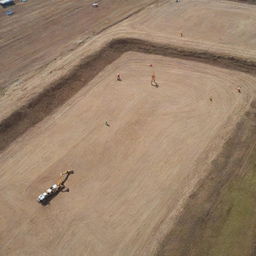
232 226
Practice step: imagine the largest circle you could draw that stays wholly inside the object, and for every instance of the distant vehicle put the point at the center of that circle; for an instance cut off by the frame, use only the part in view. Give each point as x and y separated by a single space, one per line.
6 3
9 12
95 5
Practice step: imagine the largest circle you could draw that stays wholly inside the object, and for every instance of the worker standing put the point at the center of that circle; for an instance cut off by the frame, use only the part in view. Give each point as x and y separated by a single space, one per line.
153 79
238 89
118 78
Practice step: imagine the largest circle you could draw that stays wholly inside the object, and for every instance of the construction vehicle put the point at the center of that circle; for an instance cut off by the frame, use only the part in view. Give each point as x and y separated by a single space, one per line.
55 188
95 5
6 3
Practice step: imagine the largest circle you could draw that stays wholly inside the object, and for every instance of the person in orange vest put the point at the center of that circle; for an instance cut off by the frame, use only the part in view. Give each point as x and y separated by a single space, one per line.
153 80
118 78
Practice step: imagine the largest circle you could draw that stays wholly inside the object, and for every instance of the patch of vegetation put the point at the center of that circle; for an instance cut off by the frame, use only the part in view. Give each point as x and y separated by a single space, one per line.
2 91
231 228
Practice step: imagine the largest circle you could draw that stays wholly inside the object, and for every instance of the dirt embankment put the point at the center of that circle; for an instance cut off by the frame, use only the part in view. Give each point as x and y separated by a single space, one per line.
41 32
63 89
245 1
193 234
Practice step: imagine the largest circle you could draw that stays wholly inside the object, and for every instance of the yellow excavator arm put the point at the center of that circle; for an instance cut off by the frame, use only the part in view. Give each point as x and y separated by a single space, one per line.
63 178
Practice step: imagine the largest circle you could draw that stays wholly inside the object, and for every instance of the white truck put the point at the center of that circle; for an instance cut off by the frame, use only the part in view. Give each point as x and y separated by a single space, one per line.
55 188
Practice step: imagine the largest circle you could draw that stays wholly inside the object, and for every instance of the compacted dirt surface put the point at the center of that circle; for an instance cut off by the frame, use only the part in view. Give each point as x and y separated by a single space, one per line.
41 31
132 176
152 164
222 23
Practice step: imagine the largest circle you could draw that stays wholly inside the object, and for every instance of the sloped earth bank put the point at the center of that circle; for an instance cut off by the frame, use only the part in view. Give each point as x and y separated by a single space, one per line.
219 217
133 178
245 1
41 32
44 103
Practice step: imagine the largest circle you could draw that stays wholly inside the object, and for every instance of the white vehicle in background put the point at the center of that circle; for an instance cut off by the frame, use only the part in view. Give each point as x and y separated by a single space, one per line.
6 3
95 5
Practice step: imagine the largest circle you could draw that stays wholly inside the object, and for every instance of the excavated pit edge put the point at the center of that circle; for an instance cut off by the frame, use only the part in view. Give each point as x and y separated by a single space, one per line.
67 86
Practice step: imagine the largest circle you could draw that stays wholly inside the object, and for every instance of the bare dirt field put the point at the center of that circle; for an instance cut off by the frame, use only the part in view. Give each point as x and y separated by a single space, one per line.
34 54
42 31
217 22
168 169
130 177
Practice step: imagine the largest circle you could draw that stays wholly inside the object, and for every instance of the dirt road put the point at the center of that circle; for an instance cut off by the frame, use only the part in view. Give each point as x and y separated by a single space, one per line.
131 178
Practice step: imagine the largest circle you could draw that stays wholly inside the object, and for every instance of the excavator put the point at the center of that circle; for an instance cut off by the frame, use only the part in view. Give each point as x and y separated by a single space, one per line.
55 188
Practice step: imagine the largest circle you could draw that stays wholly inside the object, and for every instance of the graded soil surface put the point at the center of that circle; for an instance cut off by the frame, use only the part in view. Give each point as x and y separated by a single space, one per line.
224 23
165 170
41 31
132 177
